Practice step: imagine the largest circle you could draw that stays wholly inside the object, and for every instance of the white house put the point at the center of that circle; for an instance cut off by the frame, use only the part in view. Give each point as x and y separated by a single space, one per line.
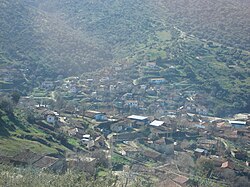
51 118
87 141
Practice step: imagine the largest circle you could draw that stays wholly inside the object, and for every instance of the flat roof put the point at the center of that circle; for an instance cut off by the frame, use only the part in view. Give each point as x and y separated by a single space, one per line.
136 117
94 112
199 150
86 136
238 122
157 123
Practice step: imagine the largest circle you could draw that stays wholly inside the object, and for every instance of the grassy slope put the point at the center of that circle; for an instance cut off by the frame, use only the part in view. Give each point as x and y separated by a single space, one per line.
18 134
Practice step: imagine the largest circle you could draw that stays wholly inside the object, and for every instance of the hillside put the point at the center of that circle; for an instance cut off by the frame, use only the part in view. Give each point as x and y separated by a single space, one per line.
224 21
50 38
33 36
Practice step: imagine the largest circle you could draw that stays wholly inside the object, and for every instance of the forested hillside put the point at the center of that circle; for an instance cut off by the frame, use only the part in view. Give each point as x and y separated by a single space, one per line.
224 21
33 36
69 37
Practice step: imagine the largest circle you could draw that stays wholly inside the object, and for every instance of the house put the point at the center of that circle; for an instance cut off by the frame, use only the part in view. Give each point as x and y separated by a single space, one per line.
157 80
152 154
163 145
199 152
207 144
127 136
50 116
158 127
98 116
112 88
130 151
120 126
238 124
100 142
73 132
77 132
137 121
90 81
87 141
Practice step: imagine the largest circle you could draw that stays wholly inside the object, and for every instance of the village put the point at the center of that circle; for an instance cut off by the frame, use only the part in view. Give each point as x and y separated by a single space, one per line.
127 119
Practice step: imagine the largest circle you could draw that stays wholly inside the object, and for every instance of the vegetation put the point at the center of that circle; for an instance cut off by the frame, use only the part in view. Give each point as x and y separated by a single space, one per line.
19 130
64 38
200 47
10 176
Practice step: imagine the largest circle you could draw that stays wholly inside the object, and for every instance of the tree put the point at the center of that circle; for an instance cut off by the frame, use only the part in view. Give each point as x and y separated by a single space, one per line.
6 104
189 73
206 166
15 96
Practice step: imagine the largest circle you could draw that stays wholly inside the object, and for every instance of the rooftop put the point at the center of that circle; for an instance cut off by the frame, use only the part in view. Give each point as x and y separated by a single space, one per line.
157 123
86 136
238 122
199 150
93 112
135 117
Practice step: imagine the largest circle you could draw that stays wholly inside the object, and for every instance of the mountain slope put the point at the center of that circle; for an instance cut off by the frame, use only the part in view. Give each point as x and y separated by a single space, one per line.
34 36
69 37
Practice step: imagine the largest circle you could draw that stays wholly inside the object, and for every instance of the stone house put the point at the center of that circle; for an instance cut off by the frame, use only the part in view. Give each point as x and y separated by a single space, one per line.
163 145
120 126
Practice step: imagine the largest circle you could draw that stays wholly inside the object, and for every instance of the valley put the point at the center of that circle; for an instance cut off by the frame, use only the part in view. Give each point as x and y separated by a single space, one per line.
125 92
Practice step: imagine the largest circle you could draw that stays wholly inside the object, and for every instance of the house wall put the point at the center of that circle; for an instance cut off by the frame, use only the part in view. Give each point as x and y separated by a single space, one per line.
164 148
50 118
